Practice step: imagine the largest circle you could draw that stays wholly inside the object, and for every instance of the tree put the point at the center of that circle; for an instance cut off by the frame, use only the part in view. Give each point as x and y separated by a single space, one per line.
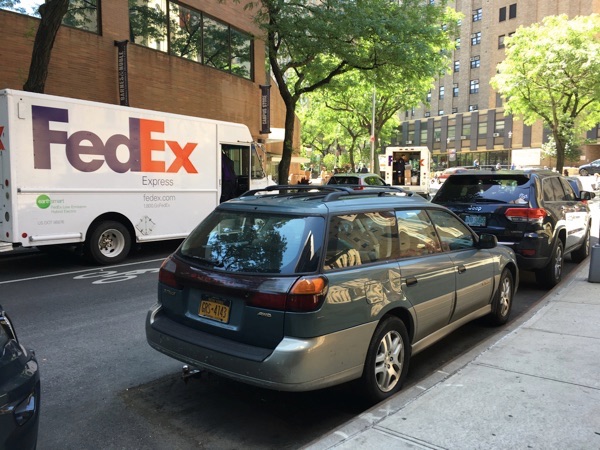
551 73
52 14
310 43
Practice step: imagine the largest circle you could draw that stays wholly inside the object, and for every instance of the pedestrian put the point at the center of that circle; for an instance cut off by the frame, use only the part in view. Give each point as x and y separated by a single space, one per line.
498 166
398 170
229 178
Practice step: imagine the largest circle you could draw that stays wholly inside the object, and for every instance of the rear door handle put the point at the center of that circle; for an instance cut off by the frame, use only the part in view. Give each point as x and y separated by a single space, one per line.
461 269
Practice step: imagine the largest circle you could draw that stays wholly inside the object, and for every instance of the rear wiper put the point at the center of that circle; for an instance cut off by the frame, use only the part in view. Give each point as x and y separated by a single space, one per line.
208 262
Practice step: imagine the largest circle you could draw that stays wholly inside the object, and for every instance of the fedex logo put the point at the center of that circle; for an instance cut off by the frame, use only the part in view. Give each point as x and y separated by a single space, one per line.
142 146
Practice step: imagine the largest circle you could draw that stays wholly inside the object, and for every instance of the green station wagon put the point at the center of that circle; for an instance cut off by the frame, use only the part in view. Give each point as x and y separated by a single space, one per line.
298 288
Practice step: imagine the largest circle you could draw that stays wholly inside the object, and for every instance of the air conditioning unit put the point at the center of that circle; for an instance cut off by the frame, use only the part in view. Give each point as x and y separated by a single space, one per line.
463 138
496 134
409 142
471 59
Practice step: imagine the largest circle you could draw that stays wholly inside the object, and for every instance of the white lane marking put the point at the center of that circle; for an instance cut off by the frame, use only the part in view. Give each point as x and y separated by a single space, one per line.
41 277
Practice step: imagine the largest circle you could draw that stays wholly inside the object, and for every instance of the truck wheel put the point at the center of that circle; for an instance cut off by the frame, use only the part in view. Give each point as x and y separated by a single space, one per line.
583 172
387 360
584 251
502 303
108 243
551 275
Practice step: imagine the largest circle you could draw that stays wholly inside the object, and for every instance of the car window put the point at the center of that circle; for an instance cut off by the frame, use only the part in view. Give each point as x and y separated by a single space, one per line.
568 190
416 234
484 189
256 242
374 181
344 180
362 238
552 190
454 234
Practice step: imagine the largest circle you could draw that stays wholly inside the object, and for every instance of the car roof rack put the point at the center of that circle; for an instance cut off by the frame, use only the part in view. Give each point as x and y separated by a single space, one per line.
331 192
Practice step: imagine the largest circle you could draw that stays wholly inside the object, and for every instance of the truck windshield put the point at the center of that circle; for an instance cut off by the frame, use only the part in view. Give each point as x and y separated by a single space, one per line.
256 243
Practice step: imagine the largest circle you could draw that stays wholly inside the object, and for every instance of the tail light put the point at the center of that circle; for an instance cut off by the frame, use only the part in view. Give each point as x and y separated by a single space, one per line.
167 273
526 215
307 294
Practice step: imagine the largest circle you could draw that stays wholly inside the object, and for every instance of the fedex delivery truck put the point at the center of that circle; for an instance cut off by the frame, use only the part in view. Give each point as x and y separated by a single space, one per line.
417 176
104 177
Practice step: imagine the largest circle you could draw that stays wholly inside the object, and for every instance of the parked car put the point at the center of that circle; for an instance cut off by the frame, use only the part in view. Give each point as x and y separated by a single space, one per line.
450 171
357 179
19 390
536 213
590 169
298 288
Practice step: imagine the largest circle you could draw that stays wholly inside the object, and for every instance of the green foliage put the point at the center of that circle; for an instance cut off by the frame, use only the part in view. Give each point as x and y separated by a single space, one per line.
551 73
311 43
12 5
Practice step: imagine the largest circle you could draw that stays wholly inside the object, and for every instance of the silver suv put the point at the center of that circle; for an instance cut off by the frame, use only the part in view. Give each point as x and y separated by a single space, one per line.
298 288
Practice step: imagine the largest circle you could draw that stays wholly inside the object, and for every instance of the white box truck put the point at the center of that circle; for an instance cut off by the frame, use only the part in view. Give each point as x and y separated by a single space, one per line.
104 177
418 168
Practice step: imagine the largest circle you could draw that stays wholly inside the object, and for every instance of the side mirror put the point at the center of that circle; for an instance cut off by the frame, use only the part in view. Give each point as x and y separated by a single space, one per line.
586 195
487 241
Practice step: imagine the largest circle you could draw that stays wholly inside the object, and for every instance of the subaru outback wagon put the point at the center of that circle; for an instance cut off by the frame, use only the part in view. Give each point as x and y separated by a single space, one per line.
299 288
536 213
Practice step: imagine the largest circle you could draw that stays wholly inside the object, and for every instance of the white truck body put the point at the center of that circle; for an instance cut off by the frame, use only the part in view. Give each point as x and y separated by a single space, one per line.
71 167
420 164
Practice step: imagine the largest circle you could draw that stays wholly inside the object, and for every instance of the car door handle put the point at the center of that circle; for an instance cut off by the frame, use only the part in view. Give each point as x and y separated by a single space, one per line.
411 281
461 269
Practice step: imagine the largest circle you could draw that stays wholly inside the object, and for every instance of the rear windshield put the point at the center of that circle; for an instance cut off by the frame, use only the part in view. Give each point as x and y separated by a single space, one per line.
256 243
344 180
484 189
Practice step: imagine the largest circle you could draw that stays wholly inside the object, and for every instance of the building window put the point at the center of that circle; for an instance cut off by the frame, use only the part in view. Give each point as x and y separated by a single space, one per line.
412 112
441 94
455 90
473 108
454 110
427 113
429 96
440 112
501 41
82 14
502 14
456 66
477 15
457 43
512 11
474 87
475 62
192 35
476 38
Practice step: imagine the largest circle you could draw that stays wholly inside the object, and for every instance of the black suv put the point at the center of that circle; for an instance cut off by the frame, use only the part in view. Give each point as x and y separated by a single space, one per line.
536 213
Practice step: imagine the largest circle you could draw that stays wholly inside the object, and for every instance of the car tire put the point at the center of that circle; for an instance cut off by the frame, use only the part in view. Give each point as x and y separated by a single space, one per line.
584 251
108 243
583 172
387 360
503 300
551 275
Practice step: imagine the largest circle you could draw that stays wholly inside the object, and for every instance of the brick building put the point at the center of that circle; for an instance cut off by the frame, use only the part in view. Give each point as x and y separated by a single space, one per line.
464 119
172 68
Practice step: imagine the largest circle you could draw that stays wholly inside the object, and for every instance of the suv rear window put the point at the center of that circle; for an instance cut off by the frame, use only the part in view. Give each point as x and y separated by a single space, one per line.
256 242
486 188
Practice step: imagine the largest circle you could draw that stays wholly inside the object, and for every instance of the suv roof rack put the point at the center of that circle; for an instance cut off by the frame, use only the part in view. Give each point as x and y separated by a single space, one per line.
331 192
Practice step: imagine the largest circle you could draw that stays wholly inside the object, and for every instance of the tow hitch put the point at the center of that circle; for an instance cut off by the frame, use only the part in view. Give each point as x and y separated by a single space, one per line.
187 372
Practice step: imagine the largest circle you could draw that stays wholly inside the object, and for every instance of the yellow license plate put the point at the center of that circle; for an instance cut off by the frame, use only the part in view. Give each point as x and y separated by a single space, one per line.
215 309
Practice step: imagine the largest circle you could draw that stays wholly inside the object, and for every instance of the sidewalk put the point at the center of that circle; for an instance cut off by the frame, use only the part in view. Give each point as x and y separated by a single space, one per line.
536 385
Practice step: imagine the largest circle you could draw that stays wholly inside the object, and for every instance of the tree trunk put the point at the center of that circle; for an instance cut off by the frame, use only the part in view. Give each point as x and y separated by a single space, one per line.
560 152
52 14
288 142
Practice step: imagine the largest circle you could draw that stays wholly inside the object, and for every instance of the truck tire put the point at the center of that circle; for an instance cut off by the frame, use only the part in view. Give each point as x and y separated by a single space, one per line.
108 243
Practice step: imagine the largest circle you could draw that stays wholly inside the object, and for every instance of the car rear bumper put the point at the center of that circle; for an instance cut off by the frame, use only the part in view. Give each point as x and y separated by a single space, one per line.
294 365
532 252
